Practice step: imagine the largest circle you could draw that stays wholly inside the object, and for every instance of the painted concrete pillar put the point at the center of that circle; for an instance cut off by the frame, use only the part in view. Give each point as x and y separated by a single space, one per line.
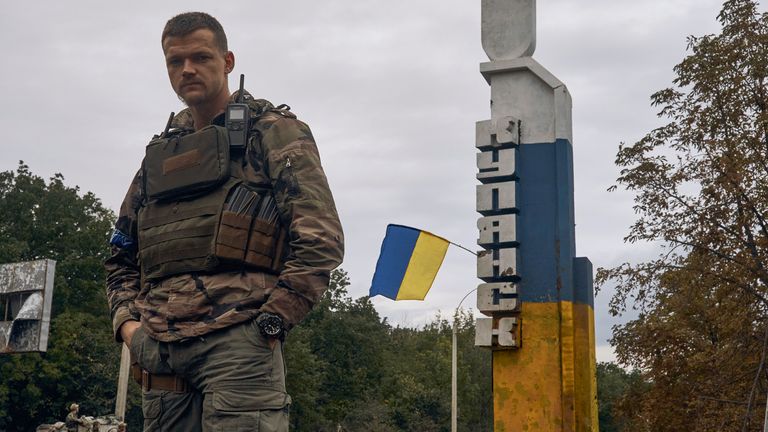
536 291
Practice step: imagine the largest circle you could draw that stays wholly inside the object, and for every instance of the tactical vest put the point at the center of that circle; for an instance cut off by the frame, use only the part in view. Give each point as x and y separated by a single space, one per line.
201 214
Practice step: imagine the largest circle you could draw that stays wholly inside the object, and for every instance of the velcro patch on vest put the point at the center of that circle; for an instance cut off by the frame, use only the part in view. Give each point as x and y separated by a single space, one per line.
180 162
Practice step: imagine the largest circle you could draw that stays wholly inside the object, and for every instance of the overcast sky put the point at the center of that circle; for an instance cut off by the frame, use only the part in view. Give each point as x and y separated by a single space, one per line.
391 90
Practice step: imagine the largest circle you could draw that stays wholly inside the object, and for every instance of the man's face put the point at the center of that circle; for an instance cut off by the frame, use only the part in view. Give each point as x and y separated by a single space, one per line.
197 68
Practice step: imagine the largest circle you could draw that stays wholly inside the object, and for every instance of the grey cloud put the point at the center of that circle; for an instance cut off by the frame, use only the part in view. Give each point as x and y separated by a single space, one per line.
391 90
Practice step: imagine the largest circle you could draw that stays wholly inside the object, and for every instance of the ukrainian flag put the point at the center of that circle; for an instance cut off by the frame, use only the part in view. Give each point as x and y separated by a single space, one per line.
408 263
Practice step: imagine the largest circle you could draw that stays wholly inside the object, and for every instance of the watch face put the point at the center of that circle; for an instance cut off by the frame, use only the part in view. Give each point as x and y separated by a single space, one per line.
271 325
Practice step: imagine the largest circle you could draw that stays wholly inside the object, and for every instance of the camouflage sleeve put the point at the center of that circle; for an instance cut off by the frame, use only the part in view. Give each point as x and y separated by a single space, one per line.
307 208
123 274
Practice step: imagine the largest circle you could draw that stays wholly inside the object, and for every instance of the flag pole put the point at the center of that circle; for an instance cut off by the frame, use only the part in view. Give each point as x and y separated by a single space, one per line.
462 247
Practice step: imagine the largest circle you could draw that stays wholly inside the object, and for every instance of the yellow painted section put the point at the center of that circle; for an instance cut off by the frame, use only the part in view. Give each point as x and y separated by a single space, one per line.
568 365
426 259
526 382
549 383
586 382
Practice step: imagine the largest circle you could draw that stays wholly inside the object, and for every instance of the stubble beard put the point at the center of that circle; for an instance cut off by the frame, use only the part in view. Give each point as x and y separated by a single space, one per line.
185 102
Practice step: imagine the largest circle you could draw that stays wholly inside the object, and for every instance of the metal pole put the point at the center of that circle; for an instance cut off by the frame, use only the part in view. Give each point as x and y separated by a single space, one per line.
453 379
122 383
454 363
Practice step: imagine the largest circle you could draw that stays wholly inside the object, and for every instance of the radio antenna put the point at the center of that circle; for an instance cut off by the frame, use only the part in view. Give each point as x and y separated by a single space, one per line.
242 90
168 125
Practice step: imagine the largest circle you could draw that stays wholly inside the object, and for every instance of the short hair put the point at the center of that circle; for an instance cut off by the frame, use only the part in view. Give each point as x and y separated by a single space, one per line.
187 22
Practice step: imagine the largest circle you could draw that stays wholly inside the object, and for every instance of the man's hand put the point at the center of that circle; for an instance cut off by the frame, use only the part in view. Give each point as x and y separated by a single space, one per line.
272 343
127 329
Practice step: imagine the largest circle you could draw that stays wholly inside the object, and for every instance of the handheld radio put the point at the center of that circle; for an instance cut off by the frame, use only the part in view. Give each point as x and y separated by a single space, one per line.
237 118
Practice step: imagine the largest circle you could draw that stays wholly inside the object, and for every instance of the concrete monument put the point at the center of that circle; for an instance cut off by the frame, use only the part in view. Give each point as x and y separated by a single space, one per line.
537 293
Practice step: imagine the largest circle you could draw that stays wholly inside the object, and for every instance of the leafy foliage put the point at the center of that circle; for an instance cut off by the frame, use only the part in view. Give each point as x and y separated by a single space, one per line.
615 386
349 369
701 185
40 219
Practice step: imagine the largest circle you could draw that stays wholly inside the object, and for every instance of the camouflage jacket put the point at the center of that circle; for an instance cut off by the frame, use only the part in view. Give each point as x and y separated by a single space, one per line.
189 305
72 421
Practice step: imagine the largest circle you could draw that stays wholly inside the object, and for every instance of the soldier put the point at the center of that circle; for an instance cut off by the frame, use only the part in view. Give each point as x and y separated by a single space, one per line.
218 251
73 420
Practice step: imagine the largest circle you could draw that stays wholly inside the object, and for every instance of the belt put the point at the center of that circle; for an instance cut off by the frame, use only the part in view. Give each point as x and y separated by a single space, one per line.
149 381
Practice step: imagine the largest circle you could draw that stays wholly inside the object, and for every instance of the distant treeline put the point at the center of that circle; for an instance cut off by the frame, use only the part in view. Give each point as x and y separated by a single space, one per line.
348 369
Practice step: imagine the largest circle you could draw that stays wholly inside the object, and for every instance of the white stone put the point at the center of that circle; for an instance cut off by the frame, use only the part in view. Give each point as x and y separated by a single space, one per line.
496 197
507 298
526 90
497 230
508 28
501 169
504 266
506 335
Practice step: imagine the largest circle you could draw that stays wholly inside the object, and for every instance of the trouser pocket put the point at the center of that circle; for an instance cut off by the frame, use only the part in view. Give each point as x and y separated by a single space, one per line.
152 408
170 412
145 352
251 408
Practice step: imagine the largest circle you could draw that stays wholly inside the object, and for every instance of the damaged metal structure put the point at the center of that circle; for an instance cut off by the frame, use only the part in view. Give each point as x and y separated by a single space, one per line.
26 291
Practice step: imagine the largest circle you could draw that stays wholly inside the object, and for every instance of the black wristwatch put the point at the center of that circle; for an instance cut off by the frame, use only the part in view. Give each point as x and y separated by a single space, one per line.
271 325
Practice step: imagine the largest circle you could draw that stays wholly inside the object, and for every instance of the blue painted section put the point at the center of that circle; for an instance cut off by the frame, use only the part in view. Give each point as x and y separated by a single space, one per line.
583 281
566 218
546 222
396 251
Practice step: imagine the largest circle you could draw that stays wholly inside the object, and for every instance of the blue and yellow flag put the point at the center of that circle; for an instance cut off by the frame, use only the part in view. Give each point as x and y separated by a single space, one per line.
408 263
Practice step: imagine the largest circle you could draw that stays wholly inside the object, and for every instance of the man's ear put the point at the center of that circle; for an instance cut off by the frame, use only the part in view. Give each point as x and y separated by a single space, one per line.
229 61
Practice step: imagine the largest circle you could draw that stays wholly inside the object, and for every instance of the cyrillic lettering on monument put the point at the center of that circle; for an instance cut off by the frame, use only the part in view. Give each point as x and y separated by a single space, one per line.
497 263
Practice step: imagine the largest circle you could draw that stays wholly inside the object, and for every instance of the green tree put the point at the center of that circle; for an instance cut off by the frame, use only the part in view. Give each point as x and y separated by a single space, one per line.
349 369
306 374
475 378
614 387
343 343
421 377
701 192
40 219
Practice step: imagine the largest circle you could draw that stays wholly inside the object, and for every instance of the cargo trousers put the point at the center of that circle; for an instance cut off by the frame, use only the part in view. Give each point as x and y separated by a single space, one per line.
237 382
